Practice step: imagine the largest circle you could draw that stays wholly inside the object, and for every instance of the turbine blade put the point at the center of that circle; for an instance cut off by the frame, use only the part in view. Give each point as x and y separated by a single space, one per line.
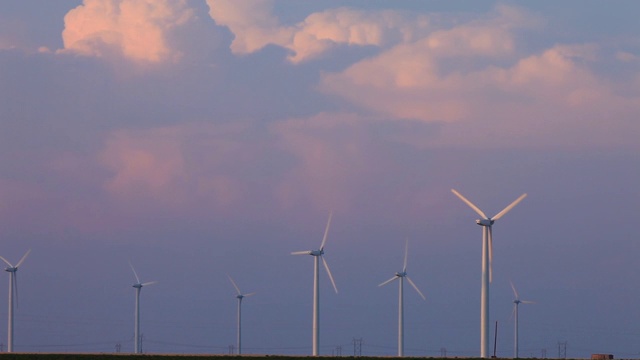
326 266
326 231
515 292
490 233
149 283
249 294
234 285
23 258
388 281
471 205
6 262
301 252
415 287
135 273
527 302
506 210
406 253
513 312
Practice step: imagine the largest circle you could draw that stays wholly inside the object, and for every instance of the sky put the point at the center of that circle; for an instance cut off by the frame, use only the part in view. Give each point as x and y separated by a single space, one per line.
200 139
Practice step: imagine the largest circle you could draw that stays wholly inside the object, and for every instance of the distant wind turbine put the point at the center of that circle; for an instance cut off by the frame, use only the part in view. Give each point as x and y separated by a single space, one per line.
487 259
516 303
13 285
317 254
240 296
401 276
138 286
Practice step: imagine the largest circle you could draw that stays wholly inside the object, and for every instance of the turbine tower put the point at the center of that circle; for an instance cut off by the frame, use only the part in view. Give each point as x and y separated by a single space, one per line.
138 286
317 255
487 259
13 286
240 296
401 276
516 303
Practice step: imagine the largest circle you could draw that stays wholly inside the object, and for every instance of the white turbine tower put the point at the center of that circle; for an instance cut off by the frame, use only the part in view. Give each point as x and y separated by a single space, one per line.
401 276
138 286
516 303
487 259
13 285
317 255
240 296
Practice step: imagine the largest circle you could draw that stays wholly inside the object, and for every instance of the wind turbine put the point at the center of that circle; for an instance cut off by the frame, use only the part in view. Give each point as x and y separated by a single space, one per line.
487 259
401 276
317 255
138 286
240 296
13 285
517 302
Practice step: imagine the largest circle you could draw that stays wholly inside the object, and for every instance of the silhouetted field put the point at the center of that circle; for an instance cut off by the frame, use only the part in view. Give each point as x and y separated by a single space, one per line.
38 356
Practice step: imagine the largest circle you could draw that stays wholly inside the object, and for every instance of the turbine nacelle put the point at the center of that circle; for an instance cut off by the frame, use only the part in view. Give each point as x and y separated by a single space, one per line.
319 252
401 274
137 286
11 269
485 222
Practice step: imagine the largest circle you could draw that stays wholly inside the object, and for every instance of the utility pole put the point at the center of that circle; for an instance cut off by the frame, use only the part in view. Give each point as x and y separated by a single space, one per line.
357 347
118 348
562 350
443 352
544 353
495 341
231 349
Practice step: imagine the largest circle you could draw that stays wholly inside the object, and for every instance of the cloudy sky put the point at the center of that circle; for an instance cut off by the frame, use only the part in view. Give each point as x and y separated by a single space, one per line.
197 139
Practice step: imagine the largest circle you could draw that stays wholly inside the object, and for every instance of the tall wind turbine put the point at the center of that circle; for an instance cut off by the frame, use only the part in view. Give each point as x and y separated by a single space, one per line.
517 302
487 259
240 296
317 255
138 286
401 276
13 285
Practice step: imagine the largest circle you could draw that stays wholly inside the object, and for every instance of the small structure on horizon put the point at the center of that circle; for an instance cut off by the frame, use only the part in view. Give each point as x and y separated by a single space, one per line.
601 356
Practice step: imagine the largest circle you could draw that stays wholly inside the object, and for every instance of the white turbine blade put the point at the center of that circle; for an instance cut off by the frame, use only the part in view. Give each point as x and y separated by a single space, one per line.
490 253
135 274
301 252
249 294
513 312
326 266
527 302
471 205
23 258
415 287
326 231
234 285
7 262
515 293
406 253
506 210
388 281
149 283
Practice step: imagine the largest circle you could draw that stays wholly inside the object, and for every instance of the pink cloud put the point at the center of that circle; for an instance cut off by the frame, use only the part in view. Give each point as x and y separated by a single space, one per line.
137 29
254 27
175 166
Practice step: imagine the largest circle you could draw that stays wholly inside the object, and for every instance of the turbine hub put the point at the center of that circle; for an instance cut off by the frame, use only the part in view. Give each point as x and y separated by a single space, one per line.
401 274
10 269
137 286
